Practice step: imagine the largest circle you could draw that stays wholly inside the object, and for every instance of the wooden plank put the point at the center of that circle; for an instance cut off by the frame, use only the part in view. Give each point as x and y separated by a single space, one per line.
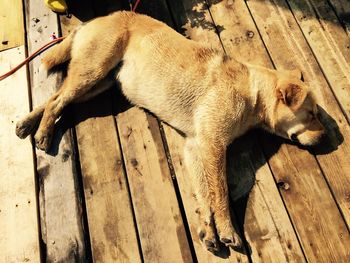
11 24
260 227
161 230
333 163
342 8
192 19
329 43
160 11
278 42
267 226
19 239
177 141
265 219
176 147
314 213
60 199
112 230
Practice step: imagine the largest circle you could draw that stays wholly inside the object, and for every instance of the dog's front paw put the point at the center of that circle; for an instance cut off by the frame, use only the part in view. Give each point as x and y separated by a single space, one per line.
207 232
207 236
43 141
233 241
227 233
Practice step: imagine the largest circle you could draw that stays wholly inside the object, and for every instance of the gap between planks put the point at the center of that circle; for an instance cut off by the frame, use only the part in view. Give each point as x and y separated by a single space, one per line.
19 241
60 207
261 248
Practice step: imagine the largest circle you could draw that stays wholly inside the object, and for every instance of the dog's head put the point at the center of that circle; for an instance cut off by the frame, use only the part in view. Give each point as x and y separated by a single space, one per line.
295 115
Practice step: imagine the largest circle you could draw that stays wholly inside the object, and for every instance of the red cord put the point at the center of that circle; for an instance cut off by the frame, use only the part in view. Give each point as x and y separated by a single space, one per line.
135 5
2 77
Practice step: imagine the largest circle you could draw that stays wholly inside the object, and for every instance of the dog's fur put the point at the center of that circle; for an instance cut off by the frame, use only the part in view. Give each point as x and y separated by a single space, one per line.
208 96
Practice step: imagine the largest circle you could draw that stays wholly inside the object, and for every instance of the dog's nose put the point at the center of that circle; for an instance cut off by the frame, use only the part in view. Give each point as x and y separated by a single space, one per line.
294 137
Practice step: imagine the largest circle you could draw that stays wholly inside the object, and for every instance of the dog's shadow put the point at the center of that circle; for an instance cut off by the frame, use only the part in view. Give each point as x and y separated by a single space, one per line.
245 156
110 102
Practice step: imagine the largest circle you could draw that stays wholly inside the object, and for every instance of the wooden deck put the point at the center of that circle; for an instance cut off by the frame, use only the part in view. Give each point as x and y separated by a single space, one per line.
114 188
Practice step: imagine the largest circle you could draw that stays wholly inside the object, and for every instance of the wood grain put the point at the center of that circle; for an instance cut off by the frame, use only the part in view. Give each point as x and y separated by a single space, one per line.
109 211
282 36
11 24
60 197
176 147
159 221
113 234
19 239
245 160
342 8
176 150
329 43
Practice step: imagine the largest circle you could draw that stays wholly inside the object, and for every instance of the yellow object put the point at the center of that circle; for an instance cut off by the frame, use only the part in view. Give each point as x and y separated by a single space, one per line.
58 6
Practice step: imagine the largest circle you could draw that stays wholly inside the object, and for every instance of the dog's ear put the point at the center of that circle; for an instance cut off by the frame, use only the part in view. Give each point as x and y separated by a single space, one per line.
292 95
296 73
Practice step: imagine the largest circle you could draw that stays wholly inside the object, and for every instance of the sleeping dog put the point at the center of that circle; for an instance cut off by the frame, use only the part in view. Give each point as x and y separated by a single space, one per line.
198 90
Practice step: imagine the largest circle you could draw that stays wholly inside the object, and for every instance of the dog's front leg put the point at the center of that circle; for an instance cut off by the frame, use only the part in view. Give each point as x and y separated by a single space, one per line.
200 188
214 164
206 163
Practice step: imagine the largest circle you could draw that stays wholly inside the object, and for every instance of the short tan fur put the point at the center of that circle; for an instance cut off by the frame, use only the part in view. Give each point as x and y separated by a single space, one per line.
211 98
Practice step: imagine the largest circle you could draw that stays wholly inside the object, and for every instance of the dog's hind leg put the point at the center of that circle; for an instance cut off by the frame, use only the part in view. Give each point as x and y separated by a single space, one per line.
80 82
29 124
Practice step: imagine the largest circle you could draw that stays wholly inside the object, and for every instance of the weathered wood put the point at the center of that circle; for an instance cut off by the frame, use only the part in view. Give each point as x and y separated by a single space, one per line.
323 234
176 144
160 225
329 43
80 11
192 19
331 46
112 231
19 238
109 212
11 24
282 37
244 161
60 200
176 141
267 226
342 8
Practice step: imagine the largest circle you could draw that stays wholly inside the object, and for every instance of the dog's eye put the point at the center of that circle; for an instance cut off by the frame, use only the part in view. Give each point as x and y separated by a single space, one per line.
312 115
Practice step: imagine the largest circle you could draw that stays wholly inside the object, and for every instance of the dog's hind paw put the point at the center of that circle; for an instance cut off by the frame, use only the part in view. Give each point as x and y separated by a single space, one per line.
25 128
43 141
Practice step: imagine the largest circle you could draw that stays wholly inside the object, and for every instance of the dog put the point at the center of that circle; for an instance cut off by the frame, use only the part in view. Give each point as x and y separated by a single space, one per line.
208 96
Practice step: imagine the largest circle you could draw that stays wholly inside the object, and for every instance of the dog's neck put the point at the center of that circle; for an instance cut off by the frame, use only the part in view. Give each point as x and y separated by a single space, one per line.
263 95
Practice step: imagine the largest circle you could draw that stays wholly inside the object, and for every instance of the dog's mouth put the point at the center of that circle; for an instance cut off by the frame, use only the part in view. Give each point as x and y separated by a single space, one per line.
307 138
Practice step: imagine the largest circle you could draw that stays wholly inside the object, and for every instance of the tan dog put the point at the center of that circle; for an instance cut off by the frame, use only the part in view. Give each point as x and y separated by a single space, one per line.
208 96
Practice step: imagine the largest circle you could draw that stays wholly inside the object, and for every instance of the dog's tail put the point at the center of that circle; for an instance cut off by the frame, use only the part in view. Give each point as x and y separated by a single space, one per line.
58 54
